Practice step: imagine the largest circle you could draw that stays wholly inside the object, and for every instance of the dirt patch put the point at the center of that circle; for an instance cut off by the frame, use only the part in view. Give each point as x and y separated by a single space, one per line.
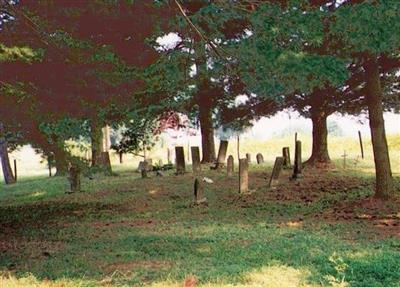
127 223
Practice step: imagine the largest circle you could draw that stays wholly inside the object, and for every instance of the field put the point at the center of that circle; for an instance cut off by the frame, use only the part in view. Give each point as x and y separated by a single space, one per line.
323 230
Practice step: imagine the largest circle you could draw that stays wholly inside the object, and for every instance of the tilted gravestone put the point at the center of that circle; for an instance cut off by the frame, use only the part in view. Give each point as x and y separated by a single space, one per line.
260 158
199 192
196 164
276 172
180 160
75 178
286 157
243 175
230 167
248 157
297 161
223 148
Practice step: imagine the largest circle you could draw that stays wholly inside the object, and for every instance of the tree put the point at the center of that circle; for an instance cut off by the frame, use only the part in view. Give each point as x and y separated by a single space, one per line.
5 162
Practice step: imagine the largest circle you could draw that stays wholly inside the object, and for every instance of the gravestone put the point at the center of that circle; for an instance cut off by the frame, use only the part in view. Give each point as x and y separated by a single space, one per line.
199 192
297 161
160 163
276 172
230 167
223 148
74 178
195 151
286 157
260 158
180 160
243 175
145 167
248 157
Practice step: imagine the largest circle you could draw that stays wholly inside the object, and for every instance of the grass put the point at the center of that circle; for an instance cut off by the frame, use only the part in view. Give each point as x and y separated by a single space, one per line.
127 231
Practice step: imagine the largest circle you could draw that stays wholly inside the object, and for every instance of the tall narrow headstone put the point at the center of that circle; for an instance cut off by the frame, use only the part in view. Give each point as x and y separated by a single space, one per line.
180 160
230 166
195 151
276 172
248 157
243 175
286 157
297 161
223 148
260 158
198 192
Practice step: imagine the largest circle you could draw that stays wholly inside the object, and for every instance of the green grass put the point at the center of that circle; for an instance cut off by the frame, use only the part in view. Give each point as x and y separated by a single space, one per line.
128 231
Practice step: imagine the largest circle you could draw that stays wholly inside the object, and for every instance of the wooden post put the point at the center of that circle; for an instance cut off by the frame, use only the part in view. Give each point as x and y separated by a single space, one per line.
297 161
180 160
243 175
230 168
15 170
196 164
276 172
121 160
361 144
286 157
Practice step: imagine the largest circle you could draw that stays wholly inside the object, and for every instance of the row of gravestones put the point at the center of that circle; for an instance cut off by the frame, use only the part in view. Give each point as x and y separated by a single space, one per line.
280 163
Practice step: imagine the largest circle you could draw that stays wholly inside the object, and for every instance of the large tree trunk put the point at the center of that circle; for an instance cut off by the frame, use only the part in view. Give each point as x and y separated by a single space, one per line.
384 188
100 154
207 133
61 163
320 154
5 161
96 145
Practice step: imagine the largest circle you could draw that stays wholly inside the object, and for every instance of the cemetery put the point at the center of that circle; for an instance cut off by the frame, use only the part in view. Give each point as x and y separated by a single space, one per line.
199 143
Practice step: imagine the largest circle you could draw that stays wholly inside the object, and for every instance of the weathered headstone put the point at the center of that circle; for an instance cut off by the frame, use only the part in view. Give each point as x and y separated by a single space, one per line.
243 175
160 163
195 151
199 192
276 172
230 168
74 178
180 160
248 157
286 157
297 161
223 148
145 167
260 158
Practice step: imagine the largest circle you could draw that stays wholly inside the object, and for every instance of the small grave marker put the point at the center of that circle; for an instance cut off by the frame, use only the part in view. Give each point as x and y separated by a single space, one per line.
248 157
230 167
260 158
286 157
199 192
276 172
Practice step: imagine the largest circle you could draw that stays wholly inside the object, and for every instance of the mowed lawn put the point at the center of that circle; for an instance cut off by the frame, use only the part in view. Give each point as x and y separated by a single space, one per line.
323 230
